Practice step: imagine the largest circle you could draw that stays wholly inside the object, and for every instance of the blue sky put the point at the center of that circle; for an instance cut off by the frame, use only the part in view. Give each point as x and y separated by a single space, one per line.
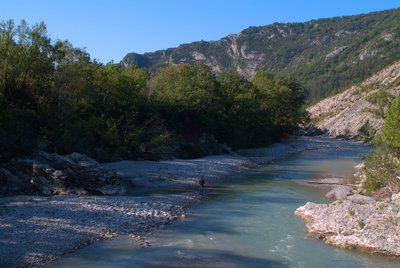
109 29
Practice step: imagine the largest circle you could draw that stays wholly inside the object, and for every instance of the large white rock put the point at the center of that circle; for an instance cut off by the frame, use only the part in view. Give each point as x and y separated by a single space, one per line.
356 222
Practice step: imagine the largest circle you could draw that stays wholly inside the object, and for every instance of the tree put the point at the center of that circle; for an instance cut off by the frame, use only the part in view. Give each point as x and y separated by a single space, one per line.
284 97
390 133
53 95
26 65
382 166
7 42
243 121
186 95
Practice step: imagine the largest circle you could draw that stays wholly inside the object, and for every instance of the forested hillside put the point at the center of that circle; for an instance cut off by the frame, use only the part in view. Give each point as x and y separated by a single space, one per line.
325 55
53 97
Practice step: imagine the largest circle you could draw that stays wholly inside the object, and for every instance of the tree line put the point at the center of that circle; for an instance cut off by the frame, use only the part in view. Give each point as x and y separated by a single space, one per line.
54 97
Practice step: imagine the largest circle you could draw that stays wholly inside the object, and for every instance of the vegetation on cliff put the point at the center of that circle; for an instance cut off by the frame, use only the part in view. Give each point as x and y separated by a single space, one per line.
53 97
325 55
359 111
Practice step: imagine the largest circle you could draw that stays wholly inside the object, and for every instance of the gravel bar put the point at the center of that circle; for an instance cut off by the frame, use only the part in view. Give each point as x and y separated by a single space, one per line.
35 229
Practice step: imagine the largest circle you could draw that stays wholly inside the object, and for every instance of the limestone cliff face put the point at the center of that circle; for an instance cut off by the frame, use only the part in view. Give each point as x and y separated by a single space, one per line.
323 54
347 112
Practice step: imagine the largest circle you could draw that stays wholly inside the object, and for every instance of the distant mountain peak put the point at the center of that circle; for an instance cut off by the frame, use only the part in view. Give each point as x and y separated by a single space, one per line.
324 54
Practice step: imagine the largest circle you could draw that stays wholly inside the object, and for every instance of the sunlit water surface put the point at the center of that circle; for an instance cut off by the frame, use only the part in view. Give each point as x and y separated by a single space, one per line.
248 222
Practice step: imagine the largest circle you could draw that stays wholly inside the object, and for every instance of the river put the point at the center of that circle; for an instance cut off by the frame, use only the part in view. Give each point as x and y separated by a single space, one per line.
247 222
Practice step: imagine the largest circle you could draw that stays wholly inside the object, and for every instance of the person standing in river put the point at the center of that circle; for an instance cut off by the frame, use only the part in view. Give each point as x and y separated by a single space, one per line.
201 183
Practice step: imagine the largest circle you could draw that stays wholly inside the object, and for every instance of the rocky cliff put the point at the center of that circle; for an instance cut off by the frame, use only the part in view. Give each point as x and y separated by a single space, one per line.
361 107
323 54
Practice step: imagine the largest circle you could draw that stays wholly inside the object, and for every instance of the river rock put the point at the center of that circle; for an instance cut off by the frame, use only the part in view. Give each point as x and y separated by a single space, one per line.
339 192
312 130
396 198
356 222
56 174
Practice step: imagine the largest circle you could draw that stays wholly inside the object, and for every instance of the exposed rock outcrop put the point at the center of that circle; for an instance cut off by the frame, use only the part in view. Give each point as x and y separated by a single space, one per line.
346 113
356 222
55 174
311 130
321 54
335 52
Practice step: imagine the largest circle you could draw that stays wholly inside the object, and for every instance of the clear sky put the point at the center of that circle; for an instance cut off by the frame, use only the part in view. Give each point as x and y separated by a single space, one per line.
109 29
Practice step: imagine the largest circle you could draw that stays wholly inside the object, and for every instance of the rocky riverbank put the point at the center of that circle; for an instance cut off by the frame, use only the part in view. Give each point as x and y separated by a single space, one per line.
34 230
52 174
38 229
357 221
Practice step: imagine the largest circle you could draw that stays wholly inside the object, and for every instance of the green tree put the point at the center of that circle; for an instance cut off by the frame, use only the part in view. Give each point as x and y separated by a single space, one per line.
284 97
25 68
186 95
382 166
53 94
241 104
390 133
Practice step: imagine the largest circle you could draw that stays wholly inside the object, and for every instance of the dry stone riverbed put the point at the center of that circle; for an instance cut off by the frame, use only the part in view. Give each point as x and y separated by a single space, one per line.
245 220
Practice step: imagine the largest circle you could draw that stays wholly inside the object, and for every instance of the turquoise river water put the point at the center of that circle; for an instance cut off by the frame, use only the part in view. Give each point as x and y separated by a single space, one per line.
246 222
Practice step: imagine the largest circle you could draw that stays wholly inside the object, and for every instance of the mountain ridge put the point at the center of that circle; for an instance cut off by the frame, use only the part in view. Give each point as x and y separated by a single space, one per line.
324 54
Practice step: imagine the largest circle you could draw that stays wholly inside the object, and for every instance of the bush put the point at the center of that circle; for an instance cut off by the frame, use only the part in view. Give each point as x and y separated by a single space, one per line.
382 170
382 167
366 133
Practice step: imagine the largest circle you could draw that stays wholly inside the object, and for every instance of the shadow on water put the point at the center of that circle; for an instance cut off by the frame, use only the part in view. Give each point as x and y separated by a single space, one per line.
210 258
174 256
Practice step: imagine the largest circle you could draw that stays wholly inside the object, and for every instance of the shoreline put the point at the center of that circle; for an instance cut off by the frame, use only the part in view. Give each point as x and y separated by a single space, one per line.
35 230
354 220
357 221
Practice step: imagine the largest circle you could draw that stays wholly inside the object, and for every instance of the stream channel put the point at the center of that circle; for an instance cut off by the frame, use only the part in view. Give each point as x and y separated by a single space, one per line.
247 221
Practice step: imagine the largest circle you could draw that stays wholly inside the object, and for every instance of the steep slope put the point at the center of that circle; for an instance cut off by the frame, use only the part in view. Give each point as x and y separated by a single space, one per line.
324 54
360 106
